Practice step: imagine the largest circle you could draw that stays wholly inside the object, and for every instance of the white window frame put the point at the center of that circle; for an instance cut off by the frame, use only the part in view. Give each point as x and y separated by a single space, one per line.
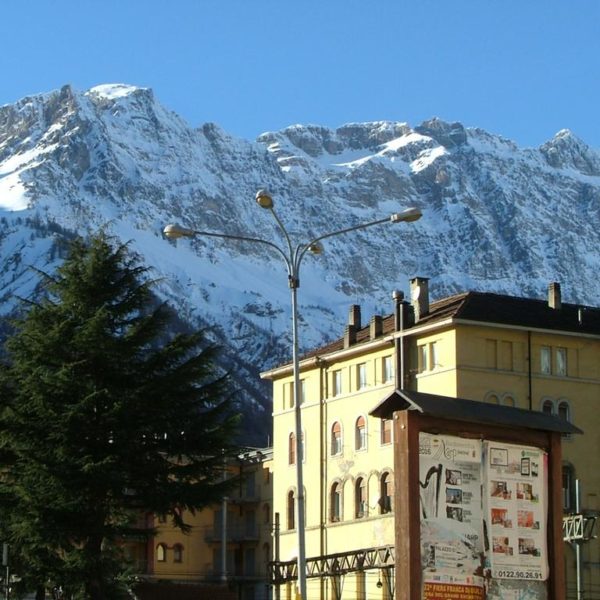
387 369
545 360
560 362
360 435
361 376
422 358
337 382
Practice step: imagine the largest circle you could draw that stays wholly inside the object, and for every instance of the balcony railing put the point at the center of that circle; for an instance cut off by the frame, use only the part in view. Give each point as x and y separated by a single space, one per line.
236 532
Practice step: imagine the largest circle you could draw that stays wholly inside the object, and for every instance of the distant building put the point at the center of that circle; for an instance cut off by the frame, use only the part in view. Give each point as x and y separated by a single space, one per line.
191 564
541 355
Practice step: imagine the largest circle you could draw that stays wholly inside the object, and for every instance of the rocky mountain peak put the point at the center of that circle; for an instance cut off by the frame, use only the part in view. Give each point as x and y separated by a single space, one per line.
446 134
565 150
114 157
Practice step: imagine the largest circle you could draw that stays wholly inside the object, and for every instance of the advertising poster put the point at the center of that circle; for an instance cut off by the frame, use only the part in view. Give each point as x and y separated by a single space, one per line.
452 542
516 511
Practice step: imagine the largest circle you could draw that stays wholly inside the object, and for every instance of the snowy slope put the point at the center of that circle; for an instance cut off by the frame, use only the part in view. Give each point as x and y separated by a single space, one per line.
496 216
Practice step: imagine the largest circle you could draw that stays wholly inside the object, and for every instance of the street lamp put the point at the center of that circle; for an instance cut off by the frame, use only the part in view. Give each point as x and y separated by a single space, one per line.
292 257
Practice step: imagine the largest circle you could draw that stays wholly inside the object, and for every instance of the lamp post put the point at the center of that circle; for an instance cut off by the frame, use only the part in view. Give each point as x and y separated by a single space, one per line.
292 256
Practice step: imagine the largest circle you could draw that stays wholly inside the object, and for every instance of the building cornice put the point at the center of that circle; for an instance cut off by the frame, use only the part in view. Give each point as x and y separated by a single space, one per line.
370 346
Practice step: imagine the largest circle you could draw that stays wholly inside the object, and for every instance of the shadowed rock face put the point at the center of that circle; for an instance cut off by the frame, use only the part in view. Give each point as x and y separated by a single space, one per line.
496 217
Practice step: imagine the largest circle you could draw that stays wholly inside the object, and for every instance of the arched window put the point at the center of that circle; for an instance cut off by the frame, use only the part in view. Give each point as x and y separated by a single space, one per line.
291 508
177 553
161 553
508 400
361 433
386 495
360 498
564 410
266 514
292 449
493 399
335 498
548 406
386 431
336 438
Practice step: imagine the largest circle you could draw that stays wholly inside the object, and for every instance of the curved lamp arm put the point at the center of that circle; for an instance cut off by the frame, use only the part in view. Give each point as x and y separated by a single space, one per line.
174 231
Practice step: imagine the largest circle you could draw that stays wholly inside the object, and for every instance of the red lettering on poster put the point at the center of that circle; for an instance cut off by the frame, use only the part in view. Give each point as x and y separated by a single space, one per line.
451 591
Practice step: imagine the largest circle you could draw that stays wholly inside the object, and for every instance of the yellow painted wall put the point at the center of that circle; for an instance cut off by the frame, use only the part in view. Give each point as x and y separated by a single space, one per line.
202 545
471 361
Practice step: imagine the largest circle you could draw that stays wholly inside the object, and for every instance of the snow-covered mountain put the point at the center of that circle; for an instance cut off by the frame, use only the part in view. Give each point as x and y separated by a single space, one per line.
495 216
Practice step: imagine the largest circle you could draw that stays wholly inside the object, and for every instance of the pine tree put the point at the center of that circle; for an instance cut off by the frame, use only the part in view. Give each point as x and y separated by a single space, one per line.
103 418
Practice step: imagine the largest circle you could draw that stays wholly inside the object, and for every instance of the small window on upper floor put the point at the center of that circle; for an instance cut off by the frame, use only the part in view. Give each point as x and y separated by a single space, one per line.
491 354
546 360
336 439
290 393
561 362
337 382
361 376
387 369
422 358
361 434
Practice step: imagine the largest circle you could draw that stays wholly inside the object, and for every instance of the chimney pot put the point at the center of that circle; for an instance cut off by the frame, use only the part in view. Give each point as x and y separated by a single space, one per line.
375 327
554 295
354 316
419 294
349 336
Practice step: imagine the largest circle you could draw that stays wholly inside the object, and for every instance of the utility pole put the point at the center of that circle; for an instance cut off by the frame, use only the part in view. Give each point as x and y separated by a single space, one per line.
7 570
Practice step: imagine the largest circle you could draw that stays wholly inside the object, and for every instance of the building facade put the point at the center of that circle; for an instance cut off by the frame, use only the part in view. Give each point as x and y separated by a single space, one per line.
231 552
541 355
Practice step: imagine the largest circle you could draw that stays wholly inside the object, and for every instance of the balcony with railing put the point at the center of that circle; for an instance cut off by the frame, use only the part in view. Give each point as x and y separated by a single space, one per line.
236 532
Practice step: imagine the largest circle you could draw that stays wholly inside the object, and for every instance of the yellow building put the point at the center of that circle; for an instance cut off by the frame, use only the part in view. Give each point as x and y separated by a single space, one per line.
533 354
243 539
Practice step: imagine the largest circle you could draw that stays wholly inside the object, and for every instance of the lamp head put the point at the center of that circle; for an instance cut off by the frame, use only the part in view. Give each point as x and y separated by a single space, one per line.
408 215
174 231
316 248
263 199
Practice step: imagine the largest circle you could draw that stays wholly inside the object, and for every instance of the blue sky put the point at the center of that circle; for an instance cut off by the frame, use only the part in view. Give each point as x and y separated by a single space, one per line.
520 68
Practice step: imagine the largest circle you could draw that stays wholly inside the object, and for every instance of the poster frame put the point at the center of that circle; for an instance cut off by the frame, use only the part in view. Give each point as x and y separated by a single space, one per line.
407 426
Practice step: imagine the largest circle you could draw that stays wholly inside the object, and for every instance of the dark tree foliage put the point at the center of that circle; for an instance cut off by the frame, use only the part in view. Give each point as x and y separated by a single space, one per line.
103 418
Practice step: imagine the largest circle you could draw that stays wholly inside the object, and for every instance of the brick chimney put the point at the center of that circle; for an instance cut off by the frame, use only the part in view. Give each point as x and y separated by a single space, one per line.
353 325
354 316
349 336
554 296
375 326
419 295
